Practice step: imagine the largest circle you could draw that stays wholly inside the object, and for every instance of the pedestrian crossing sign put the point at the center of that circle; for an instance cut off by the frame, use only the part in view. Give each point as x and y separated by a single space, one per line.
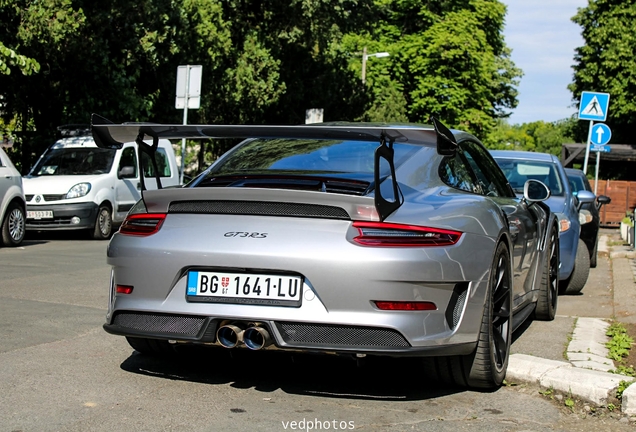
593 106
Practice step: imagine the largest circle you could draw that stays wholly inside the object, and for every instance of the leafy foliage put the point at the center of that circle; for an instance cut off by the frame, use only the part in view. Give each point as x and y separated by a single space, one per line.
263 62
449 60
539 136
607 63
620 342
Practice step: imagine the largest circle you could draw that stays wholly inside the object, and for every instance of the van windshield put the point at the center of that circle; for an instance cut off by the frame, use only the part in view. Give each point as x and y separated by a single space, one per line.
74 161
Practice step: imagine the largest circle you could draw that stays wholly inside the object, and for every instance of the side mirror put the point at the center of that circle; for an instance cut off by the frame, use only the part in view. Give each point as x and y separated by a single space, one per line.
602 199
126 172
584 197
534 191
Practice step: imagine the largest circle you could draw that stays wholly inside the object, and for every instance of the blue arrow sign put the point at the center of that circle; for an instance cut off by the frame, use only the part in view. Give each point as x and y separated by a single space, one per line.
601 134
593 106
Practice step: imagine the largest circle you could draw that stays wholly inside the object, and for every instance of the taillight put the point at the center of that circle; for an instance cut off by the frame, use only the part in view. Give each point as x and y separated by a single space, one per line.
124 289
142 224
405 305
397 235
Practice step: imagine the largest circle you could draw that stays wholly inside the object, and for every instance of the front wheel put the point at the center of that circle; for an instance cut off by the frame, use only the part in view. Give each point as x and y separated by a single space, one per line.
575 283
103 224
549 288
594 254
486 367
13 226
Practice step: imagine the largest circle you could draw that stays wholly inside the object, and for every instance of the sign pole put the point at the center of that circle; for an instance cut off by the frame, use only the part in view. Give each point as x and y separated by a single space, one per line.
587 146
188 97
185 122
598 162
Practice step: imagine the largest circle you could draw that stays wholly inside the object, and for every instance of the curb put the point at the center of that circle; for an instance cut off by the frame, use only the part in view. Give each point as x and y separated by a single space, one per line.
596 386
586 375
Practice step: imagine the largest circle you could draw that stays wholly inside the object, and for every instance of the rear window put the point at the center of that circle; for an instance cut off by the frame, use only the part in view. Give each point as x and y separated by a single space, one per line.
576 183
285 156
162 164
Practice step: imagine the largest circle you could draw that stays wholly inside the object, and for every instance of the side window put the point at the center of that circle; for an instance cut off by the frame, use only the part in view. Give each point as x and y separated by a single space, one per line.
162 164
128 159
489 176
454 172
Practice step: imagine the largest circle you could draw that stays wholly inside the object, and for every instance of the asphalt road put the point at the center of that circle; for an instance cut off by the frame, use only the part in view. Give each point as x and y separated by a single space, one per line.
61 372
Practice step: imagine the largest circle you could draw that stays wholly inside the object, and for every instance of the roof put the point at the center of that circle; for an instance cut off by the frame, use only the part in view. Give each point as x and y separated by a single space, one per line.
514 154
76 141
575 153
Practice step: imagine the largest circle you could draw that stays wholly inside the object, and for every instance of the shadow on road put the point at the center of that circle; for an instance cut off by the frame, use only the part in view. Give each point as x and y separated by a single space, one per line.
374 378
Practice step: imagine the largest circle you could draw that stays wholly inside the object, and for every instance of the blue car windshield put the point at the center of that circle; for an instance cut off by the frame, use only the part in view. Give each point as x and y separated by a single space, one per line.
519 171
304 156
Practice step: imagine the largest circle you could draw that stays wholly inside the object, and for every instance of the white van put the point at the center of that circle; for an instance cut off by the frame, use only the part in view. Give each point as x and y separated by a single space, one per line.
76 185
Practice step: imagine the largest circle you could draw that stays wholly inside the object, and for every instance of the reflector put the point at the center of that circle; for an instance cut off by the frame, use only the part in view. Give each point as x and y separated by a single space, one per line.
405 305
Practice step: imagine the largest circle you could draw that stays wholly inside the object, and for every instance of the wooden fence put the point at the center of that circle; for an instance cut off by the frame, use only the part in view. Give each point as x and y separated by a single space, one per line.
623 195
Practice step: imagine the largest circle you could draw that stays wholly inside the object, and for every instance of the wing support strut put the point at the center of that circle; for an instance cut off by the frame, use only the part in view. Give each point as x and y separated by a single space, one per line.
151 151
383 206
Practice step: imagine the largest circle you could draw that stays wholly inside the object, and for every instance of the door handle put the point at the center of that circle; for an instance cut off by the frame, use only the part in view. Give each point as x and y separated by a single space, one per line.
138 186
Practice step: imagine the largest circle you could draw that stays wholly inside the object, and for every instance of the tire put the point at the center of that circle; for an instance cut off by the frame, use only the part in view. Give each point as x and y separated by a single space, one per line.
486 367
151 347
549 288
575 283
594 254
103 224
13 225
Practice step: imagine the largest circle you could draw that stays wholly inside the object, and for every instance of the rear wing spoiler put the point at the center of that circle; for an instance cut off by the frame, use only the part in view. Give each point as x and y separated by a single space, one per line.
113 136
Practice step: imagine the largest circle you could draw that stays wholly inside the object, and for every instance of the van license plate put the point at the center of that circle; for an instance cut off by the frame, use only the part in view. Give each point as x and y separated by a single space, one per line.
40 214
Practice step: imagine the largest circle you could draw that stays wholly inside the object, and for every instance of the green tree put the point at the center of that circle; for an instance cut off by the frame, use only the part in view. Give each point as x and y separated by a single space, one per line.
607 63
448 58
9 58
539 136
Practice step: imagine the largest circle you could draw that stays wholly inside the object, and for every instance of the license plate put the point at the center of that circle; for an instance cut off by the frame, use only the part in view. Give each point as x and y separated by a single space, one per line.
244 288
40 214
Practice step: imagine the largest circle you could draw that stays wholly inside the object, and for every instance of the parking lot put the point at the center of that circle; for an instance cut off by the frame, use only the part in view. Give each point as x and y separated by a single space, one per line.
62 372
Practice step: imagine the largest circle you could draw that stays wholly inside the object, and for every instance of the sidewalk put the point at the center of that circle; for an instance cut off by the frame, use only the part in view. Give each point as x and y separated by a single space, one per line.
585 374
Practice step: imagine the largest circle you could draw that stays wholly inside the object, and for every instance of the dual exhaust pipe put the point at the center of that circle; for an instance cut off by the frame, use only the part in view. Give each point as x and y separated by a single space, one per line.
254 337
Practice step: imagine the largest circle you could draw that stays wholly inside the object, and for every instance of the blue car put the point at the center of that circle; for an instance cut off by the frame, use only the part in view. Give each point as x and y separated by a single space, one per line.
520 166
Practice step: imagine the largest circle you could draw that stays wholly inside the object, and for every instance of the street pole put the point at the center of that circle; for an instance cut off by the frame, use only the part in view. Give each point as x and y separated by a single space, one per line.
587 146
598 162
364 65
185 122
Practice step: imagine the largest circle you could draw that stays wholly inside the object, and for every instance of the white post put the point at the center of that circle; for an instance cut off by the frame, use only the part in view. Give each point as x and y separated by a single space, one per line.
185 122
598 162
364 65
587 146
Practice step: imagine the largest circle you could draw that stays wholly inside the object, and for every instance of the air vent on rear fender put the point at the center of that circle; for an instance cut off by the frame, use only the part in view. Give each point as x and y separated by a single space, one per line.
259 208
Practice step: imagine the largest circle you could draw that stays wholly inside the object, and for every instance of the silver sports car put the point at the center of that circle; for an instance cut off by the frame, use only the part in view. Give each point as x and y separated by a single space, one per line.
342 238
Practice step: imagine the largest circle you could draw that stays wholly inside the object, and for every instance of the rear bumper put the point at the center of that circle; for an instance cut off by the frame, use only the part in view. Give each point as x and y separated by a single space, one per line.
287 336
62 216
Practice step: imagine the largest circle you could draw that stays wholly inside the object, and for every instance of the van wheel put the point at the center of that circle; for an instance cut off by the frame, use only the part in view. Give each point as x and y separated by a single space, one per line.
103 224
13 225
